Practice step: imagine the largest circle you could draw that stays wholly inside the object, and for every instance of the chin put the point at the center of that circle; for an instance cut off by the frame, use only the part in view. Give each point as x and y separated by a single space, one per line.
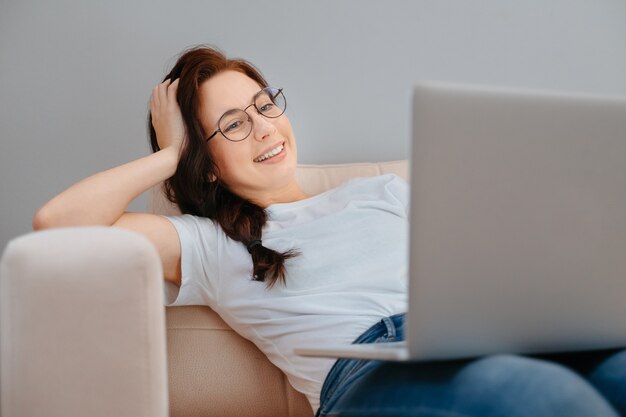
285 171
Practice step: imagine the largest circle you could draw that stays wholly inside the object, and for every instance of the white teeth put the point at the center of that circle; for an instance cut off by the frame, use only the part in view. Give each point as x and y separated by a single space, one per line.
269 154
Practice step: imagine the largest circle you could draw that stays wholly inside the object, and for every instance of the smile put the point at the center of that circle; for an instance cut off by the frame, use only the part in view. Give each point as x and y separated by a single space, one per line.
270 153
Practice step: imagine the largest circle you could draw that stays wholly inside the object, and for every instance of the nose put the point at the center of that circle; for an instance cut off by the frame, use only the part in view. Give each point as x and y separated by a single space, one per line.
262 127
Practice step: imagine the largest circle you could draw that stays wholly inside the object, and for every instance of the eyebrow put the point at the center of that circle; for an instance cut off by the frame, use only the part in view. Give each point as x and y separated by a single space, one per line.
250 101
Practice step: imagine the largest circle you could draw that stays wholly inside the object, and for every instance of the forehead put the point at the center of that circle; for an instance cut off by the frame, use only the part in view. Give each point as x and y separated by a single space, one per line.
225 91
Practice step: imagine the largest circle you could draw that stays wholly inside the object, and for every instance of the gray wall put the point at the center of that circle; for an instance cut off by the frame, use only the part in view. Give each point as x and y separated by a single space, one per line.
75 76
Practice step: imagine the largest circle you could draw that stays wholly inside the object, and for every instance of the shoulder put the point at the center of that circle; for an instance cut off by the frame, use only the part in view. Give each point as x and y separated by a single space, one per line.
199 259
388 188
194 229
191 221
377 185
374 181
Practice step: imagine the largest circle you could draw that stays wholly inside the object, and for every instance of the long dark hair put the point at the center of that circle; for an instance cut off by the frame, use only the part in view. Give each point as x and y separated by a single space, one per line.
196 187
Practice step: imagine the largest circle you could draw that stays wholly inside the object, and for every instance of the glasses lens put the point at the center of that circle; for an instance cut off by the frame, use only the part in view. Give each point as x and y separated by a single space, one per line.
271 102
235 125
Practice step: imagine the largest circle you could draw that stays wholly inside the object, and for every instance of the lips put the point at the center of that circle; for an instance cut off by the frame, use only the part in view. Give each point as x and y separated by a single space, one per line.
270 153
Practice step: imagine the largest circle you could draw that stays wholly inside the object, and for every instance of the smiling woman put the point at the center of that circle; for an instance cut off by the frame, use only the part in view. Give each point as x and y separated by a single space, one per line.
246 164
283 268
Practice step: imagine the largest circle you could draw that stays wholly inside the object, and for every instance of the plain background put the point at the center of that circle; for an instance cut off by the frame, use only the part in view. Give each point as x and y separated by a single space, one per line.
75 76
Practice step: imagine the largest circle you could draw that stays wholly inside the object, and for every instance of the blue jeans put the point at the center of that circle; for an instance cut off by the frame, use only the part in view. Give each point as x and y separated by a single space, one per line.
589 384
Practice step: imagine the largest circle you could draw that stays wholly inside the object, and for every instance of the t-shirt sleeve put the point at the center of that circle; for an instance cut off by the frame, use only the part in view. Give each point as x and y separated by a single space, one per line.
199 269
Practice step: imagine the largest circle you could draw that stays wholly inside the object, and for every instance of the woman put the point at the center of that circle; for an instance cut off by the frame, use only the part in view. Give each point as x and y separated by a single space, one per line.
284 268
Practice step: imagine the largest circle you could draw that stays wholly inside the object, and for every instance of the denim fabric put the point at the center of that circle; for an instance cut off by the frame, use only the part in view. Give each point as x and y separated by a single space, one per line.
345 372
589 384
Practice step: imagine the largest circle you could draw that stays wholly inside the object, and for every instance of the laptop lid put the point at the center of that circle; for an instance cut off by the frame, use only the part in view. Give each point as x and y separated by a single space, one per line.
518 222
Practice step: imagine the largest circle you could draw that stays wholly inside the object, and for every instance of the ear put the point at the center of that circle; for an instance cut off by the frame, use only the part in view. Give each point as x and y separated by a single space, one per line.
211 177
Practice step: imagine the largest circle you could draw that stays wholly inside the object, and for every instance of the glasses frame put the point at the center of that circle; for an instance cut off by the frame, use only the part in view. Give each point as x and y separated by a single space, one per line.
279 91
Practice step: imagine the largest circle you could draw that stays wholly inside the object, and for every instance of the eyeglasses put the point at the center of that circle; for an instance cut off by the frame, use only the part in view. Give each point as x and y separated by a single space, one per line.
236 124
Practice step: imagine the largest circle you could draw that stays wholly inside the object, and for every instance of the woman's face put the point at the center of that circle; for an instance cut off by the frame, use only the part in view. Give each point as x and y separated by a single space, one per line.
238 162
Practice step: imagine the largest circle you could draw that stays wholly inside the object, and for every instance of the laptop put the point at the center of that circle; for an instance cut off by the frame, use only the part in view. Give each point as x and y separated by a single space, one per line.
517 225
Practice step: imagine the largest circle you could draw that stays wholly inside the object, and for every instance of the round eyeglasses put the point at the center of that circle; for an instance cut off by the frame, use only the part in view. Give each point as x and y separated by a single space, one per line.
236 124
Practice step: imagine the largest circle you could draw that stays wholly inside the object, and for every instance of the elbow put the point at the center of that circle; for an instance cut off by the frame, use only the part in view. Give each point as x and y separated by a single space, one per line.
41 220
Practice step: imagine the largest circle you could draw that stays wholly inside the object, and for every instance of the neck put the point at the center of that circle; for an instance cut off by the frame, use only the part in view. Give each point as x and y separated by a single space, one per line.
288 194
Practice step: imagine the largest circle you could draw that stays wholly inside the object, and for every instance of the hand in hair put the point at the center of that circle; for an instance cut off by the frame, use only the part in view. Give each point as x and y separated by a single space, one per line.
167 119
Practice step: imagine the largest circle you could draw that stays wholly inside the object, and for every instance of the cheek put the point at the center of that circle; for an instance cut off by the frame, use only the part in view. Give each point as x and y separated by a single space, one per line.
227 158
285 125
284 128
218 154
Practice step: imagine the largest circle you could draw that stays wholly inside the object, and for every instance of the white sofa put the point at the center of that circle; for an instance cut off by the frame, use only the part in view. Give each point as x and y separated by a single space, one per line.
83 330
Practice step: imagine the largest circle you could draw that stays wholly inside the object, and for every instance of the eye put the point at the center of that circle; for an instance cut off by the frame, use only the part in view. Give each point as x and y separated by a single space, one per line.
264 103
233 125
266 107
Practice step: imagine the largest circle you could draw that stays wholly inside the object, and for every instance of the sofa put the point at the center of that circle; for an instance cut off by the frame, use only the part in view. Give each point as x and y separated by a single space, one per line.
83 330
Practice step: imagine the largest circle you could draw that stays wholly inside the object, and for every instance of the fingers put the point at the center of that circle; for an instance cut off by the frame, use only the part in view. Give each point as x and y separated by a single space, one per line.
171 90
164 93
154 99
172 103
166 116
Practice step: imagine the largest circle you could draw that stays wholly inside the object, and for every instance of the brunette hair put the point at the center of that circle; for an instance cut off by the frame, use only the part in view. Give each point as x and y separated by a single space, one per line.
196 187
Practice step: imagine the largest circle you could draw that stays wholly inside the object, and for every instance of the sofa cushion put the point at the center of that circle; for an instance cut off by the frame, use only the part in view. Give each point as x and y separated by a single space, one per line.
215 372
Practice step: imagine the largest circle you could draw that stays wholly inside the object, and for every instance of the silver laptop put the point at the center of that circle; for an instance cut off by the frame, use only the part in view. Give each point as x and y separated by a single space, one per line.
517 226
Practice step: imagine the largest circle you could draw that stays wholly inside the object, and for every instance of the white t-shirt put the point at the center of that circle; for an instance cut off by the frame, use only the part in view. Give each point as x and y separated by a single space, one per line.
352 271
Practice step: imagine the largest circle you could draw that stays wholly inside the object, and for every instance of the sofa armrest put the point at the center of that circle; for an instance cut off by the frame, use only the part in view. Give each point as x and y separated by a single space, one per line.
82 325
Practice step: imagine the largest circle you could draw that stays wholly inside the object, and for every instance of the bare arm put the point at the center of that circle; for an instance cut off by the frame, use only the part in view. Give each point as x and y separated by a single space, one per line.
102 199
